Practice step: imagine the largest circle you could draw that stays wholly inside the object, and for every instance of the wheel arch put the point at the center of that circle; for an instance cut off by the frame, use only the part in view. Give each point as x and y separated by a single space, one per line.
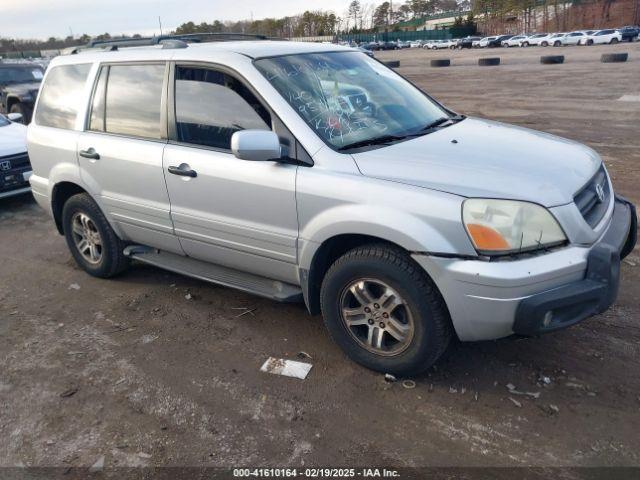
324 256
60 193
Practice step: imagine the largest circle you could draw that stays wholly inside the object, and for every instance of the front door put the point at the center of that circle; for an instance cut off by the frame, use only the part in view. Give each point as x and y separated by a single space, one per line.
231 212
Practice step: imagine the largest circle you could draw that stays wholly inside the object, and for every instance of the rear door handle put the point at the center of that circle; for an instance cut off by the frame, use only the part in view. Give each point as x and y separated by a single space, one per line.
184 170
90 153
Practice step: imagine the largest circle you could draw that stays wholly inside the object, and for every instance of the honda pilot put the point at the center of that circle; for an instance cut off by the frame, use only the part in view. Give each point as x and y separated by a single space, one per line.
311 172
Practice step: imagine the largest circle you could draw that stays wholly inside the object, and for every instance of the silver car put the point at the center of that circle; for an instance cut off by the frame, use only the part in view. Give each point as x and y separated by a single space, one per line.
311 172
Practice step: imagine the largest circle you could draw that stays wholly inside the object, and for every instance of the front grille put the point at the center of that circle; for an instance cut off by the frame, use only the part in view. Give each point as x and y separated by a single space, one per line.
593 199
19 160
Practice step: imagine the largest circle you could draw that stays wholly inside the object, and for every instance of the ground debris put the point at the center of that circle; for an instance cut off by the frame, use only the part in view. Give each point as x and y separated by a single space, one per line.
98 465
390 378
287 368
408 384
515 402
512 389
69 392
74 286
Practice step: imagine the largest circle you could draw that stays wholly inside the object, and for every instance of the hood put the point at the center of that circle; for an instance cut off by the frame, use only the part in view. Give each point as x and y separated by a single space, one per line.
22 88
13 139
481 158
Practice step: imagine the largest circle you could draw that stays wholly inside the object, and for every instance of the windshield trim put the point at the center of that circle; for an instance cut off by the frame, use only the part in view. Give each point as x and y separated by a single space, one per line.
452 114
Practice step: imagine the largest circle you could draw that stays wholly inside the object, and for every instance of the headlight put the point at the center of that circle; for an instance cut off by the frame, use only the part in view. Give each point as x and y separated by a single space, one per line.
508 226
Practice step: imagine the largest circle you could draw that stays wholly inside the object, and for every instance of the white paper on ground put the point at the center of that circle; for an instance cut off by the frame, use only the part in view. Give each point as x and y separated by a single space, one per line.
288 368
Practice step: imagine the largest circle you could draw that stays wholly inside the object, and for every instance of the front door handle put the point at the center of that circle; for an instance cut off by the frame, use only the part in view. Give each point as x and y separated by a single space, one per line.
183 170
90 153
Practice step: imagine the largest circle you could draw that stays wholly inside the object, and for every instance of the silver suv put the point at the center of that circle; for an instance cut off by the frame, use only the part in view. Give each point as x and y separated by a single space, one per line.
301 171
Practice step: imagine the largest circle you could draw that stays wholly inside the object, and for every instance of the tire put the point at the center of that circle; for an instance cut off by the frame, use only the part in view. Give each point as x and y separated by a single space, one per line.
440 62
422 304
552 59
524 44
489 61
23 110
614 57
556 44
589 43
545 44
613 41
112 260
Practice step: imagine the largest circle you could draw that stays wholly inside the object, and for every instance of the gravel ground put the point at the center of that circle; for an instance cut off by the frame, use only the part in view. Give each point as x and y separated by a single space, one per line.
155 369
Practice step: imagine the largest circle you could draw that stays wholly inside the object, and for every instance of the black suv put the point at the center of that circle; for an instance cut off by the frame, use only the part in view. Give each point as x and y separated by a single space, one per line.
19 84
629 33
466 42
497 42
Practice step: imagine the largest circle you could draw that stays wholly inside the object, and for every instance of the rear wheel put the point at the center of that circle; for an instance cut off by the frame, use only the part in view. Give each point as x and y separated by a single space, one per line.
524 44
94 245
613 41
384 311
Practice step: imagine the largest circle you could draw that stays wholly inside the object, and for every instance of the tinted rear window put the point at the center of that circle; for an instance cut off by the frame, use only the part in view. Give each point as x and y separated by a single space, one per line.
61 96
133 101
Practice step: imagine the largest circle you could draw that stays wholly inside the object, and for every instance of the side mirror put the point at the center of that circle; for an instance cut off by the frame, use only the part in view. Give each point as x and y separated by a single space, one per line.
15 117
256 145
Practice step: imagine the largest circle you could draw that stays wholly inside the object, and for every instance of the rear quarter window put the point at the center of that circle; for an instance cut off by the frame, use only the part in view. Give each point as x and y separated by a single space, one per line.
61 96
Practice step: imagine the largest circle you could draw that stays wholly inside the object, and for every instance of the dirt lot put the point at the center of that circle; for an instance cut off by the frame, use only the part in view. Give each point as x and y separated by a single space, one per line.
133 370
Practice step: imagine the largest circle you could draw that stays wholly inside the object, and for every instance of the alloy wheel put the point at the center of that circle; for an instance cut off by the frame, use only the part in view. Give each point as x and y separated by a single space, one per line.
86 237
376 317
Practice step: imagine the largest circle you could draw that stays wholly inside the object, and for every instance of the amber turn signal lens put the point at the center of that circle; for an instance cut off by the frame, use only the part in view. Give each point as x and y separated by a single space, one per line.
486 238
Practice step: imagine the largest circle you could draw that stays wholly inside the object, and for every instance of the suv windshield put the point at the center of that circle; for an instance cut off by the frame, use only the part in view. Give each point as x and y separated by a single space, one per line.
20 74
350 99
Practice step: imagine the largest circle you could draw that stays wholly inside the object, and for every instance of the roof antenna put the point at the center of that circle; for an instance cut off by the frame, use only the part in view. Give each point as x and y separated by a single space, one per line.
160 24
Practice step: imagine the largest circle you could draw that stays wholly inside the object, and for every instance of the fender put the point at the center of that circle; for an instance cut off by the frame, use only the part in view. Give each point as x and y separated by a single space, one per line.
70 173
411 232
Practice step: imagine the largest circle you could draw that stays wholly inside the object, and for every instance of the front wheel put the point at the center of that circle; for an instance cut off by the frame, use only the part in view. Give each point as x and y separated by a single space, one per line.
384 311
614 41
94 245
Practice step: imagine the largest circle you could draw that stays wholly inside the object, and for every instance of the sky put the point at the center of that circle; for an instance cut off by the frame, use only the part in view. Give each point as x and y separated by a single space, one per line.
42 19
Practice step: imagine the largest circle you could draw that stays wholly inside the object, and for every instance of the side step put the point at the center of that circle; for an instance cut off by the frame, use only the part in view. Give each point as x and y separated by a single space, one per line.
228 277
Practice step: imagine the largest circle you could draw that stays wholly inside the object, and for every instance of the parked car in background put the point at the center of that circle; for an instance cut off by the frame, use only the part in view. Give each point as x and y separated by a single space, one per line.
484 42
388 46
19 84
416 44
15 168
450 43
442 44
572 38
168 157
600 37
555 40
585 37
466 42
497 41
403 45
537 39
629 34
372 46
365 51
514 41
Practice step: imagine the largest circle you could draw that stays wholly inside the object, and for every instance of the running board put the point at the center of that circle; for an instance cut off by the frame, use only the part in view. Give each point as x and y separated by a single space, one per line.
228 277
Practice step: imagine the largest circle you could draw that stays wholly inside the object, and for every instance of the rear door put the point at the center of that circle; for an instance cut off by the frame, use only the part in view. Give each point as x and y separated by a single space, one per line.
120 151
236 213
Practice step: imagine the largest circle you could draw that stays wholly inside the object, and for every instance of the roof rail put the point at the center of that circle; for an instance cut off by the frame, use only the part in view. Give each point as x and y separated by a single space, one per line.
168 41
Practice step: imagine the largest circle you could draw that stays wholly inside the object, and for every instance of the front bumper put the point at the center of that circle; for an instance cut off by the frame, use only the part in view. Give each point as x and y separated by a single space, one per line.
15 181
529 296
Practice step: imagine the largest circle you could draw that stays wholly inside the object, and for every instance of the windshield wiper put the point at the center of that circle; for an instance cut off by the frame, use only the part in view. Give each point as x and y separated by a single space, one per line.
439 122
373 141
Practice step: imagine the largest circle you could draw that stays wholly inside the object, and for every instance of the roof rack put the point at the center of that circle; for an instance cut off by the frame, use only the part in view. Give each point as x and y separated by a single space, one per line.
167 41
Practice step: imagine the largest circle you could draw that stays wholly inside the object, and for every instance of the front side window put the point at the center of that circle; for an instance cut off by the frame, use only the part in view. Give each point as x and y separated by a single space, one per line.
127 100
211 106
61 96
348 98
